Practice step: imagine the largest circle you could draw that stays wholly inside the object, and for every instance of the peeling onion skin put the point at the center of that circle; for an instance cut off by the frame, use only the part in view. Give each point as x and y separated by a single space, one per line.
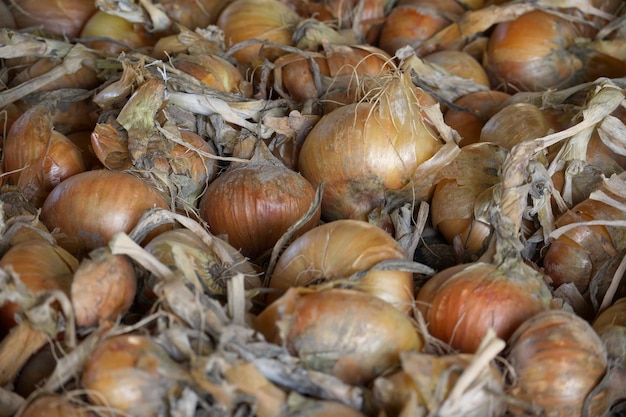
364 333
90 207
558 360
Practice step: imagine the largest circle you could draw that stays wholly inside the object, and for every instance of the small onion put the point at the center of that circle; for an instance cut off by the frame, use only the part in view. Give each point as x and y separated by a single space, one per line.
103 287
54 405
339 249
515 123
254 203
558 360
461 303
90 207
356 346
114 34
460 64
133 375
214 71
365 150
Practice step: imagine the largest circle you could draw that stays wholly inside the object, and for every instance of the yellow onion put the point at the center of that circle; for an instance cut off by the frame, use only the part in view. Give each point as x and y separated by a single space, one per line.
471 111
515 123
254 203
557 361
365 150
463 192
461 303
576 255
356 347
214 71
6 17
303 406
538 51
114 34
179 248
103 287
87 209
262 20
133 375
193 14
54 405
41 266
335 251
61 17
38 157
610 325
460 64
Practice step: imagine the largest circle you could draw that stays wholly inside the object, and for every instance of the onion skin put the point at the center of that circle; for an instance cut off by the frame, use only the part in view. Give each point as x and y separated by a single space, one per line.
365 343
461 303
610 325
54 405
362 151
558 359
132 374
41 267
335 251
90 207
61 17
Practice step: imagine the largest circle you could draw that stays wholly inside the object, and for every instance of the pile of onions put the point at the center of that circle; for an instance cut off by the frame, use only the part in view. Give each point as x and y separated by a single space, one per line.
355 347
338 250
87 209
253 203
363 151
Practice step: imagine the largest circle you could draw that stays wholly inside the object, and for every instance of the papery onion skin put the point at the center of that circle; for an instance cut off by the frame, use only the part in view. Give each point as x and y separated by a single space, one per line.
61 17
558 360
132 374
610 325
90 207
462 303
41 267
361 151
54 405
350 334
335 251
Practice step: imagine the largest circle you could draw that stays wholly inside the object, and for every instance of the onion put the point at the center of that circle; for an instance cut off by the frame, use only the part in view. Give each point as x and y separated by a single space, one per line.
89 208
463 193
515 123
262 20
460 64
41 267
364 151
132 374
471 111
558 360
461 303
610 325
54 405
214 71
355 347
6 17
336 251
114 34
193 14
254 203
103 287
61 17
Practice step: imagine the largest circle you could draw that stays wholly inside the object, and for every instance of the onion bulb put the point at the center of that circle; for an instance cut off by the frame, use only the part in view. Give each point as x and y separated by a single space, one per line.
61 17
254 203
335 251
54 405
460 304
132 375
87 209
261 20
356 347
459 64
558 360
214 71
610 325
366 150
114 34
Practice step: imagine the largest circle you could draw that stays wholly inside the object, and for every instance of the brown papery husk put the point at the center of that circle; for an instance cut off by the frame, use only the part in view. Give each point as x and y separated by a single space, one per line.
391 150
313 325
336 251
558 360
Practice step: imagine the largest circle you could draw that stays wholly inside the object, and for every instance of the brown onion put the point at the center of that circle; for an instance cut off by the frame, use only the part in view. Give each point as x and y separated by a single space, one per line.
611 327
54 405
114 34
89 208
61 17
460 304
364 151
103 287
558 360
335 251
350 334
460 64
254 203
263 20
214 71
515 123
41 266
133 375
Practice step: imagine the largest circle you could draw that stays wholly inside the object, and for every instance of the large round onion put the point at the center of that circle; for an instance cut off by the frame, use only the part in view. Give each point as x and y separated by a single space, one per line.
350 334
89 208
339 249
558 360
362 151
62 17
